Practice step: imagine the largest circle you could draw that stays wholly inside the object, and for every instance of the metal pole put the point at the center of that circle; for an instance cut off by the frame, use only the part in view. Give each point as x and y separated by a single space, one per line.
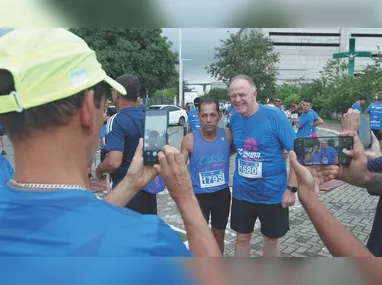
180 69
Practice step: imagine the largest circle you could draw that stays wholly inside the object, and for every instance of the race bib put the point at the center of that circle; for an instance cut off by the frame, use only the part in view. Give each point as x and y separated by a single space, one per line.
325 159
250 169
211 178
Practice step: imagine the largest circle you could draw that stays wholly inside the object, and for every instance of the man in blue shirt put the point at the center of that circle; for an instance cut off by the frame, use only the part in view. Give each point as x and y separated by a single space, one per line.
193 121
123 132
260 184
375 111
3 152
47 209
209 151
6 171
328 153
308 121
358 104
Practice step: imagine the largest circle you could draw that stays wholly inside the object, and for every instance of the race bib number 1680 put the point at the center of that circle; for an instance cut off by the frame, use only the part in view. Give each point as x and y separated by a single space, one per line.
250 169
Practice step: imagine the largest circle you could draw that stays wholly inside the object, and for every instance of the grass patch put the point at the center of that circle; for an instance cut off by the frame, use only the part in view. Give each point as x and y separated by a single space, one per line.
182 236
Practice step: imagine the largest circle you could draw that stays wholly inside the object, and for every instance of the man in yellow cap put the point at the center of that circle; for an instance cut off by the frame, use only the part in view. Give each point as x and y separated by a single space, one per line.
52 97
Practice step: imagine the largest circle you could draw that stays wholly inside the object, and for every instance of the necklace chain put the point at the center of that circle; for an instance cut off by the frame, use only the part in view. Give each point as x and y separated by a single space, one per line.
49 186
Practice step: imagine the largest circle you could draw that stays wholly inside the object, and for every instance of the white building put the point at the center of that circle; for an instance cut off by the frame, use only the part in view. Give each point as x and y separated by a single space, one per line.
305 51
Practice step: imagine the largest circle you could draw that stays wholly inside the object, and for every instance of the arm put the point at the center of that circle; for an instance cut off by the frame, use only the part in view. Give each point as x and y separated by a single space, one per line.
187 147
339 241
115 148
318 122
230 140
122 193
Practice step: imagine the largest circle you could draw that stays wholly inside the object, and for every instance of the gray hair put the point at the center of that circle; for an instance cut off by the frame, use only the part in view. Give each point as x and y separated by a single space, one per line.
246 78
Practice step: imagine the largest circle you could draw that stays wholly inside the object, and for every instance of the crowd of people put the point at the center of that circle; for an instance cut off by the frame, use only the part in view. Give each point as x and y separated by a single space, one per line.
46 208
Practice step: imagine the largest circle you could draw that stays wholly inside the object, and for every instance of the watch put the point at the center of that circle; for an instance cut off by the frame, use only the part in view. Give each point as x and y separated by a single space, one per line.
292 188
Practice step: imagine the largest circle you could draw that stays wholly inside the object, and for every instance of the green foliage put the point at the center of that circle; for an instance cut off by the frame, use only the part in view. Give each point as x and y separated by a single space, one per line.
219 94
142 52
250 54
168 93
335 92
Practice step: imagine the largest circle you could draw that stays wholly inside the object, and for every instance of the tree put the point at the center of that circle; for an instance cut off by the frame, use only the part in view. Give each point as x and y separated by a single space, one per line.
250 54
219 94
142 52
168 93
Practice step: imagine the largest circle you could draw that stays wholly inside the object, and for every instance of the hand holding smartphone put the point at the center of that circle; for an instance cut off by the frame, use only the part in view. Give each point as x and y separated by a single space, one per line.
155 135
323 150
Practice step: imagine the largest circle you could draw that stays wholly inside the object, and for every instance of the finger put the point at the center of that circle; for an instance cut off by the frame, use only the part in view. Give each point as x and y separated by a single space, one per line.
139 150
283 204
169 142
163 162
169 152
300 170
356 140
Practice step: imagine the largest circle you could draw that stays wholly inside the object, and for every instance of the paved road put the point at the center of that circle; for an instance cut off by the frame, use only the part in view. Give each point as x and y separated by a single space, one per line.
352 206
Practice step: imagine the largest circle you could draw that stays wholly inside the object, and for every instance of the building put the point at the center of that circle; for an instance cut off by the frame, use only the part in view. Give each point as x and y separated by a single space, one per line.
305 51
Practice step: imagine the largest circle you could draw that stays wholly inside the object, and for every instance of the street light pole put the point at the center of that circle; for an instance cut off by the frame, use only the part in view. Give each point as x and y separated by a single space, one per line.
180 69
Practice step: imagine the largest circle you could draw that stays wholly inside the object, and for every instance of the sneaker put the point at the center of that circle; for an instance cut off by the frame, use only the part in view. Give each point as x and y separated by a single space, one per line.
3 152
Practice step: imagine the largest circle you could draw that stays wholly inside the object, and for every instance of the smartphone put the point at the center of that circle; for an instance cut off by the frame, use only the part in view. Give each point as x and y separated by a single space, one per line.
323 150
364 131
155 135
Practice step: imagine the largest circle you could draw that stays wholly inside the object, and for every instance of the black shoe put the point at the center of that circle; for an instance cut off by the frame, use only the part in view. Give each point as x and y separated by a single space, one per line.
3 152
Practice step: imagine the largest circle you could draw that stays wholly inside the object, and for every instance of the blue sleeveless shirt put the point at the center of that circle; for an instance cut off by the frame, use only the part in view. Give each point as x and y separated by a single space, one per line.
209 163
155 186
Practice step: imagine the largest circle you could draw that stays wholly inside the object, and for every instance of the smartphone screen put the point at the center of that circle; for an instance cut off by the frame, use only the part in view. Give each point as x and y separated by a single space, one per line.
155 135
364 131
323 150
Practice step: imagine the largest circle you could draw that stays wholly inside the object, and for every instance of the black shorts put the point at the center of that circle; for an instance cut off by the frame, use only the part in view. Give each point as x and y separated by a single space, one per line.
274 218
144 203
377 134
103 154
1 133
217 204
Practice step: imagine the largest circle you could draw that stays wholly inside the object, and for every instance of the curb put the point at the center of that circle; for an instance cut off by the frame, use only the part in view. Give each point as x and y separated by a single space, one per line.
333 132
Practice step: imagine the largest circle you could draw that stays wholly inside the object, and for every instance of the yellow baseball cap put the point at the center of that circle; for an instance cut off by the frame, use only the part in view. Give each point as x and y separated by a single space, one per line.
48 65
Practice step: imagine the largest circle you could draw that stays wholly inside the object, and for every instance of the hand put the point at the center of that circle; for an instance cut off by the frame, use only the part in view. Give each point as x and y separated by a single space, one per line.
99 173
356 172
375 150
308 184
175 174
138 174
288 198
351 121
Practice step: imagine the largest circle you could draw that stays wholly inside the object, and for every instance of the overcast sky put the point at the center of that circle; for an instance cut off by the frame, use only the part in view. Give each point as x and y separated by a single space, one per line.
198 45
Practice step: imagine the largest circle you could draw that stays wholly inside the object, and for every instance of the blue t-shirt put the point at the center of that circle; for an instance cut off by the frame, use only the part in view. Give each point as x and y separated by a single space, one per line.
142 107
6 171
155 186
209 163
316 157
375 165
328 155
375 111
231 110
75 223
1 127
103 135
260 140
305 122
357 106
123 132
193 120
315 116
